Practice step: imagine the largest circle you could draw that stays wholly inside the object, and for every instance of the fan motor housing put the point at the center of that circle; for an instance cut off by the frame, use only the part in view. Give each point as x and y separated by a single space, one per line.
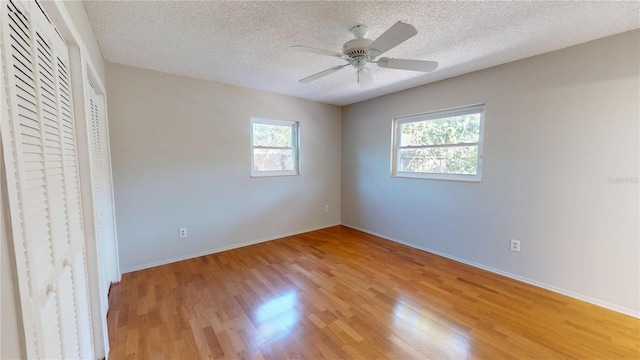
356 47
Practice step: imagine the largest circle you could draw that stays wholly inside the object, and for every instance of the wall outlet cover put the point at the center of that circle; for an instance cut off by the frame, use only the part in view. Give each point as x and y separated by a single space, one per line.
515 245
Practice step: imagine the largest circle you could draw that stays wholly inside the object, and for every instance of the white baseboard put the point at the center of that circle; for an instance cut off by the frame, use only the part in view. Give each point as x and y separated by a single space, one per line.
591 300
221 249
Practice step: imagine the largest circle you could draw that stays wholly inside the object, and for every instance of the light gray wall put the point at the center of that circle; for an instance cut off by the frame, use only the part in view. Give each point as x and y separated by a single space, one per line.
181 158
560 128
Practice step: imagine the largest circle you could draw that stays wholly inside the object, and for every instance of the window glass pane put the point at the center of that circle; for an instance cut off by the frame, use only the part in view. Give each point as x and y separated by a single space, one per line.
273 159
272 135
451 130
446 160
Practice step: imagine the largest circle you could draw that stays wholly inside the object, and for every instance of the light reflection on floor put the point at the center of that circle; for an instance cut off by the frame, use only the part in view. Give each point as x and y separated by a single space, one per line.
277 316
413 325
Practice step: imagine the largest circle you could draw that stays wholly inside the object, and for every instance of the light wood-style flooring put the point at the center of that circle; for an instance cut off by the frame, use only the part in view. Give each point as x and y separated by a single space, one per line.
338 293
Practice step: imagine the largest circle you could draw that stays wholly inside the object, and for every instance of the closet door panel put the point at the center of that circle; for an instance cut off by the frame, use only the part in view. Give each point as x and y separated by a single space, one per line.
68 313
39 143
51 341
103 200
81 286
69 156
75 236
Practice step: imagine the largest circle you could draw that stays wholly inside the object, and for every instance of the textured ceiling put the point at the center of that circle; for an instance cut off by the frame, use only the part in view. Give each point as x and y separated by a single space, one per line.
247 43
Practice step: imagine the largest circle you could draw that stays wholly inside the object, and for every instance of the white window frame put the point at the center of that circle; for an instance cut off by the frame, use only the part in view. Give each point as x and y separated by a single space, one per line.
295 146
435 115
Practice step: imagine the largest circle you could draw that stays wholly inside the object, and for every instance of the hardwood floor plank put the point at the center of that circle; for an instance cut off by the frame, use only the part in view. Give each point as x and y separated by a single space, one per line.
338 293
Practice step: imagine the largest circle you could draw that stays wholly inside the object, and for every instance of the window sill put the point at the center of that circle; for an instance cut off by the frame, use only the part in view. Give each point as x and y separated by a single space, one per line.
262 174
441 177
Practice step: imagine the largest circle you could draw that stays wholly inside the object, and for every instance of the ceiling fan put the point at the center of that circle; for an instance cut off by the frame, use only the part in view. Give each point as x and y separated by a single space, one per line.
360 51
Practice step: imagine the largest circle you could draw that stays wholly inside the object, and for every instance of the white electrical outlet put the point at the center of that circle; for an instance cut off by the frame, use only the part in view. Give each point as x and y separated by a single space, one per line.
326 208
183 232
515 245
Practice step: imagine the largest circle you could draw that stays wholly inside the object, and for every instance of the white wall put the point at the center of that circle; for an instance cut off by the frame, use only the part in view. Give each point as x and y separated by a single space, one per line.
181 158
560 127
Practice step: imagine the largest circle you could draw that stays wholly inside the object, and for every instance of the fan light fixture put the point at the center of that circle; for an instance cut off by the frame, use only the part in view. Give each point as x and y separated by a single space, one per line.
360 51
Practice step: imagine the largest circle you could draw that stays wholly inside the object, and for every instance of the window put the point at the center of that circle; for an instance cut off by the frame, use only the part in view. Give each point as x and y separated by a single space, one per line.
445 145
274 147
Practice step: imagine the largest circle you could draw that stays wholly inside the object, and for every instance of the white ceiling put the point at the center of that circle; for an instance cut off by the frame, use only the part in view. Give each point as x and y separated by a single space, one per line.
247 43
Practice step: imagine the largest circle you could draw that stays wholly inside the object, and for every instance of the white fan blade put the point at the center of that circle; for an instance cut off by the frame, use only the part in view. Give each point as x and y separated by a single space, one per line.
322 74
312 50
364 77
413 65
394 36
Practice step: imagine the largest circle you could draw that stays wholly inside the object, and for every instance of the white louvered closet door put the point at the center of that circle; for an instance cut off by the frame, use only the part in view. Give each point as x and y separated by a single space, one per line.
39 140
103 200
